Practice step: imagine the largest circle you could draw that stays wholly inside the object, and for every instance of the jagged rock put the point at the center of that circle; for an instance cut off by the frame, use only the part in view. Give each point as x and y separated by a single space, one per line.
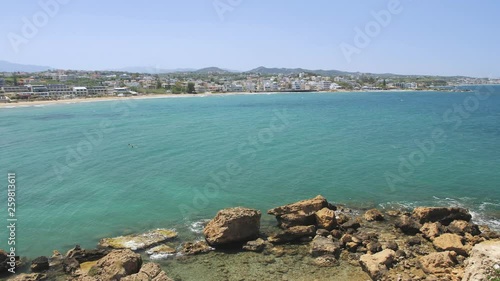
196 248
116 265
441 262
325 218
323 246
292 234
336 233
140 241
481 263
70 265
450 242
342 218
40 264
431 230
408 225
374 247
377 265
150 271
393 213
443 215
461 227
326 261
299 213
392 245
412 241
233 225
82 255
373 215
30 277
322 232
255 246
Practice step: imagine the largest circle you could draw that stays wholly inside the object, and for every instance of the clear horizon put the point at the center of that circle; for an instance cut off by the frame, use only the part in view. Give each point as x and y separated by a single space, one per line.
403 37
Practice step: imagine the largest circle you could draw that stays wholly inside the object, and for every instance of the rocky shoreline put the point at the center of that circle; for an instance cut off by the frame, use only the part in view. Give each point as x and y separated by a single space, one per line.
316 240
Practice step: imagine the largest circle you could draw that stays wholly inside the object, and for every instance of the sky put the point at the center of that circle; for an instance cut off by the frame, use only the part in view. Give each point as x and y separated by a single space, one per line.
425 37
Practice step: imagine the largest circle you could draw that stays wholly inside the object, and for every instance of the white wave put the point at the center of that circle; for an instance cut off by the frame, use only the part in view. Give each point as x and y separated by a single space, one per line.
198 226
161 256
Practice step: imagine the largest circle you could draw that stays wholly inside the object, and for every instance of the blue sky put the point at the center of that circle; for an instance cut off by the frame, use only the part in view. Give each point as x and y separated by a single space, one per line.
449 37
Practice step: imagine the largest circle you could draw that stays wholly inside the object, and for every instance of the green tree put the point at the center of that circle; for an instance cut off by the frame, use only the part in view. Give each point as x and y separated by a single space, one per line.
190 88
178 88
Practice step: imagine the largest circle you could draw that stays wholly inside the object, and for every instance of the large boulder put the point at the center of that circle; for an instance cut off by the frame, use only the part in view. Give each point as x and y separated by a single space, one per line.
431 230
233 225
299 213
139 241
481 263
373 215
441 262
40 264
149 272
195 248
378 264
325 218
292 234
116 265
461 227
321 245
438 214
450 242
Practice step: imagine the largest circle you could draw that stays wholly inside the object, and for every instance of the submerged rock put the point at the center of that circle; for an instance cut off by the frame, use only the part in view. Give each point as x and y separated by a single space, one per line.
139 241
326 261
196 248
484 260
233 225
323 246
161 251
377 265
443 215
255 246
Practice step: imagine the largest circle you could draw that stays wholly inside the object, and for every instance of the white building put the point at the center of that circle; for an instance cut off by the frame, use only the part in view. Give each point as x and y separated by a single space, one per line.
80 91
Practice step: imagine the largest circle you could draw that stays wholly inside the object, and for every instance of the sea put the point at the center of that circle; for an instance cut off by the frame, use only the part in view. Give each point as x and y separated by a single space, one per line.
86 171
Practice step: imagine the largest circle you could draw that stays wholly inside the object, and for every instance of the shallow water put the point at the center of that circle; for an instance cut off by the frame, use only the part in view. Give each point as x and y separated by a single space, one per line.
93 170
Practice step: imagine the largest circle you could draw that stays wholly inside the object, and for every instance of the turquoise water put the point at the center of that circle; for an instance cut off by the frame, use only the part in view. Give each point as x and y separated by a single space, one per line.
92 170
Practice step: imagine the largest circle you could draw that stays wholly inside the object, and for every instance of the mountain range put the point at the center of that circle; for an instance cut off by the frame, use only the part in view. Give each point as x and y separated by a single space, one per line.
6 66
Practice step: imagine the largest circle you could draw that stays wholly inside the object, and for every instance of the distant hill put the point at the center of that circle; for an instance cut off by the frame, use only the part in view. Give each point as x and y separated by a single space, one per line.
212 70
152 70
6 66
265 70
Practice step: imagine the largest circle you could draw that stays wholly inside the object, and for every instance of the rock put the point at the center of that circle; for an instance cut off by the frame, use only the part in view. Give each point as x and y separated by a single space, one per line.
377 265
70 265
322 232
325 218
306 206
116 265
255 246
408 225
431 230
461 227
196 248
292 234
140 241
82 255
438 214
373 215
150 271
342 218
5 260
233 225
450 242
161 252
326 261
29 277
484 259
392 245
351 224
336 233
40 264
374 247
393 213
412 241
296 219
323 246
441 262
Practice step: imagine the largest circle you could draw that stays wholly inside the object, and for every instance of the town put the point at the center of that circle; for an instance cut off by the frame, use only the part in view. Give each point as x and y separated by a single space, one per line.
67 84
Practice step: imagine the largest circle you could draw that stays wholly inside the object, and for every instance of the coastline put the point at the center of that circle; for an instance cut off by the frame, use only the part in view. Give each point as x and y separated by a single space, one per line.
22 104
